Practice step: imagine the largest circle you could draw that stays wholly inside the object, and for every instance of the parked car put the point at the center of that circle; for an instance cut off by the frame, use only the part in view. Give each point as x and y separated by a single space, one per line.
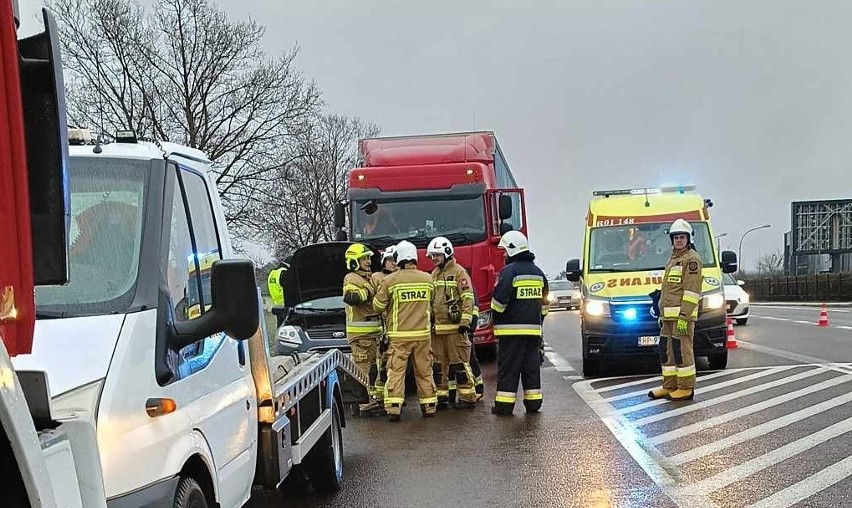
563 295
736 299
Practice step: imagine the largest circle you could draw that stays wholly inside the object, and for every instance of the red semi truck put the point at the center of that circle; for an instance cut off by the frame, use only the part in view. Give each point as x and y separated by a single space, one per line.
454 185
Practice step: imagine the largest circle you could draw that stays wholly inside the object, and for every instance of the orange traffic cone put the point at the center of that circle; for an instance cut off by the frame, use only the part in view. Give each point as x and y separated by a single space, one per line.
823 317
732 338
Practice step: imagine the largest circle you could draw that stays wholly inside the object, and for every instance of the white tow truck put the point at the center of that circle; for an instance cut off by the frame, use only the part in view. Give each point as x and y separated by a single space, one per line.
148 381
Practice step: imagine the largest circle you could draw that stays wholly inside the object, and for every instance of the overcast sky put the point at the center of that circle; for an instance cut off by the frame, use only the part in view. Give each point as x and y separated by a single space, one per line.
749 100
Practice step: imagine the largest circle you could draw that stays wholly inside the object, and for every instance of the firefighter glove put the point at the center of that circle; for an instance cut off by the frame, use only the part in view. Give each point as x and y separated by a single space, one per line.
352 298
682 326
464 329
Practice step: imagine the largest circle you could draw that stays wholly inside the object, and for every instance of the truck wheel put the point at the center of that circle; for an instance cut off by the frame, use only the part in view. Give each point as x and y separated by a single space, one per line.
591 367
189 494
324 463
718 361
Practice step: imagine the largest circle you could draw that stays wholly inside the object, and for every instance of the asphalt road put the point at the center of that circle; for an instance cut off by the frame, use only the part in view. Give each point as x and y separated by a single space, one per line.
771 430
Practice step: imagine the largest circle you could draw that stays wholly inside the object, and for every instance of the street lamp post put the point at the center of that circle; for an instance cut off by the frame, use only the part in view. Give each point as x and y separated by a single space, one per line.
719 243
740 251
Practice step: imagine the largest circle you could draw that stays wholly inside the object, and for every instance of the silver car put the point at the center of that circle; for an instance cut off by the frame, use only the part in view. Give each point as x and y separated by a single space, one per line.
563 295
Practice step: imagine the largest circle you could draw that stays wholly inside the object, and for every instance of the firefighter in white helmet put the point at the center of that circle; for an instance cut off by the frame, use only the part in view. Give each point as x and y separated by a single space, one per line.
453 311
519 303
680 294
388 267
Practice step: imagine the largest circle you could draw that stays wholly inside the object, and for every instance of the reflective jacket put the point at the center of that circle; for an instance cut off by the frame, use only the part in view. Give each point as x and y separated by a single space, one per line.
406 295
276 290
362 320
681 289
452 287
520 298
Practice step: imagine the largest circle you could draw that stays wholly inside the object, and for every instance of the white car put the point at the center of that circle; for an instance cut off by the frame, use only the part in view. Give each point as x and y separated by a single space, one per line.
736 299
562 294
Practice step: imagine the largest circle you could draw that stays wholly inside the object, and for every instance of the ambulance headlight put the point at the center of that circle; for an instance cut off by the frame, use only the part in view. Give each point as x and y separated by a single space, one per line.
714 301
596 308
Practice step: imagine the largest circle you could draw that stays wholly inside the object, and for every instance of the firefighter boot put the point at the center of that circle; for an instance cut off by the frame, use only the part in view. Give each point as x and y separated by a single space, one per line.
669 383
479 386
372 408
685 384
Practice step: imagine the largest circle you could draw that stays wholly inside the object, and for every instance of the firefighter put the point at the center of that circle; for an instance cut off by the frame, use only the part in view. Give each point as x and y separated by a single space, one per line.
519 304
478 384
388 267
453 311
680 293
363 328
407 295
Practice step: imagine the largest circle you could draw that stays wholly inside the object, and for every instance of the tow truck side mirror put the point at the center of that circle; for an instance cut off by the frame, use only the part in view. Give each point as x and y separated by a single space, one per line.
234 308
729 261
339 215
573 270
505 207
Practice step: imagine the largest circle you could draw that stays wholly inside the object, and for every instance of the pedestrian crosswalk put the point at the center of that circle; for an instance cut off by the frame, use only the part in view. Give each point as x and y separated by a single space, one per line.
774 436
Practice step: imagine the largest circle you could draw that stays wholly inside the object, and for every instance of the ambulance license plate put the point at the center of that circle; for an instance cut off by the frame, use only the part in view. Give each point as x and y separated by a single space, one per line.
649 340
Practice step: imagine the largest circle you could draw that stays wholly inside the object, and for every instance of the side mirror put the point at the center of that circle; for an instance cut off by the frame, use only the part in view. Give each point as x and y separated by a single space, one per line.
740 282
505 207
340 236
339 215
505 228
573 271
729 261
234 308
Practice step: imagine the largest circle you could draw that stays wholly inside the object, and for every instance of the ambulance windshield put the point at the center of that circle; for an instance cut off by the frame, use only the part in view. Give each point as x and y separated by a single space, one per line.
641 247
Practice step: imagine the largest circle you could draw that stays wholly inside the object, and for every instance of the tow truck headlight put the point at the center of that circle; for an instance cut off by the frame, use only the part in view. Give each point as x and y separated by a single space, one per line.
596 308
714 301
290 336
484 319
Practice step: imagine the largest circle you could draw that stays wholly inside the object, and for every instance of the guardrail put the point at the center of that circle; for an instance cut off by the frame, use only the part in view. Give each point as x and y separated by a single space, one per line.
824 287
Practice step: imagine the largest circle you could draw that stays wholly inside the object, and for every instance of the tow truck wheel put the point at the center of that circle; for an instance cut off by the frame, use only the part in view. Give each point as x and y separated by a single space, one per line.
591 367
189 494
324 463
718 361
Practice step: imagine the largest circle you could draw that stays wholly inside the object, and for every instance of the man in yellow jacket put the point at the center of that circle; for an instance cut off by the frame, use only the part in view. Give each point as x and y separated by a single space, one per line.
680 294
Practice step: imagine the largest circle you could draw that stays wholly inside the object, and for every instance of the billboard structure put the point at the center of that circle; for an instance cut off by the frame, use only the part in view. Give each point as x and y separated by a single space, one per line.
821 230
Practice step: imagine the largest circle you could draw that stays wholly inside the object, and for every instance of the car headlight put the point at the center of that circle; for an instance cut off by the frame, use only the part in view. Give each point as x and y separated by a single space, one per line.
714 301
576 294
596 308
551 298
484 319
290 336
744 298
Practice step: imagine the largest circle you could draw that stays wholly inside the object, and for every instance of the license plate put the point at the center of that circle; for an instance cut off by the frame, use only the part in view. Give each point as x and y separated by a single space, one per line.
649 340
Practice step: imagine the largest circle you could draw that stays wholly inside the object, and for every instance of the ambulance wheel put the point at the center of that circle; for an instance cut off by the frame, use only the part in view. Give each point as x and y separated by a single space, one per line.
591 367
718 361
324 463
189 494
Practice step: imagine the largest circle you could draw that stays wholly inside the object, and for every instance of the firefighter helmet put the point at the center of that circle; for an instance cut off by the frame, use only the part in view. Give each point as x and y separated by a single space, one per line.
513 242
355 253
680 227
440 245
405 251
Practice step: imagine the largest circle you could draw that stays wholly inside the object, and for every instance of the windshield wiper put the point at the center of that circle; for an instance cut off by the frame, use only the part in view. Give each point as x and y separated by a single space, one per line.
52 314
459 237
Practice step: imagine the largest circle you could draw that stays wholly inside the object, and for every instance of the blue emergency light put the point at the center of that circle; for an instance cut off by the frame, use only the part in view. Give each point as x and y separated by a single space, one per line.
630 314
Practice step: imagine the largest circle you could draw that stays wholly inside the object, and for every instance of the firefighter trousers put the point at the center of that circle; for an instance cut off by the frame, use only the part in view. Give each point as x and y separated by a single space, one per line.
478 385
451 367
365 351
518 357
421 359
677 357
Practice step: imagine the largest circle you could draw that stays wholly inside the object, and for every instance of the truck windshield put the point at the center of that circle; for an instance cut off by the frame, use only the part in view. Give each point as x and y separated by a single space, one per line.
383 223
641 247
107 209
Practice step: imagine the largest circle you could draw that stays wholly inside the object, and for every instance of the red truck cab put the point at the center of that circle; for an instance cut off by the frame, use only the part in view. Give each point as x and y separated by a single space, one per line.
454 185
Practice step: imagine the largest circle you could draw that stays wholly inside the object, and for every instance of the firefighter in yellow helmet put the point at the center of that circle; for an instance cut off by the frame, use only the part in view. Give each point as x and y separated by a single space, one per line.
407 295
363 328
453 310
680 294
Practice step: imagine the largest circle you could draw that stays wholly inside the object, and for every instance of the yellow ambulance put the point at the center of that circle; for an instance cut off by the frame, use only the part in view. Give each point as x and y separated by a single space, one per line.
625 252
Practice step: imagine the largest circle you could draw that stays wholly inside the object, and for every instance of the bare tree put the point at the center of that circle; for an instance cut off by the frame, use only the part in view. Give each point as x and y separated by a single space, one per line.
771 264
186 73
298 207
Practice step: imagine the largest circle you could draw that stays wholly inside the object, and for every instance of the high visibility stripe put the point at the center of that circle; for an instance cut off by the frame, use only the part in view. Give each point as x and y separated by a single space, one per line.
394 400
518 331
671 312
452 384
475 312
669 371
521 278
445 283
429 400
533 394
441 329
466 391
686 371
478 381
691 297
527 283
363 329
497 306
379 306
467 315
373 324
676 270
507 397
412 285
394 334
443 393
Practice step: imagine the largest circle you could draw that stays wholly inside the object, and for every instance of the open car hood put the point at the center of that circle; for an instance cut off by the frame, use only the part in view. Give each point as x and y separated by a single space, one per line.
317 271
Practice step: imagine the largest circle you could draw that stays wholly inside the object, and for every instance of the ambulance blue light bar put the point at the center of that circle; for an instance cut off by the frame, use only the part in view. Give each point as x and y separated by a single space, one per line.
644 191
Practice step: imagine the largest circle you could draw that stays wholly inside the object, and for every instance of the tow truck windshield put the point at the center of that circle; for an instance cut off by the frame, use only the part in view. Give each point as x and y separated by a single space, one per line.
107 208
641 247
382 223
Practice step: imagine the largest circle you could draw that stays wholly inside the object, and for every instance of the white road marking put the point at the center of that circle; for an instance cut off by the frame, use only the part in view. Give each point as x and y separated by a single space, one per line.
808 487
750 467
747 410
559 363
789 355
815 309
843 327
760 430
711 388
773 318
729 397
657 379
803 322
